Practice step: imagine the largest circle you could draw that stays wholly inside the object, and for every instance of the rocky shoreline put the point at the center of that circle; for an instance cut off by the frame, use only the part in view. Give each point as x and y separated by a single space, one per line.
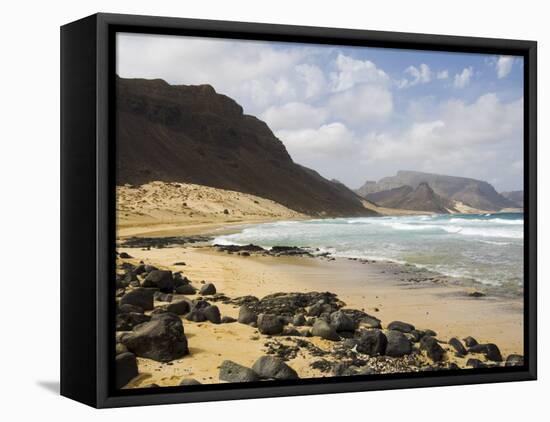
155 305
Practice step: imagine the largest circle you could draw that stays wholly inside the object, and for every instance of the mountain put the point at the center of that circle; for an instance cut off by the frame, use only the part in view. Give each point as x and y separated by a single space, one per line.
191 134
423 198
471 192
516 196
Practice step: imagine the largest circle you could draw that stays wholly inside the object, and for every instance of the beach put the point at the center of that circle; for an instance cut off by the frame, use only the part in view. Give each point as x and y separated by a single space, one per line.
384 290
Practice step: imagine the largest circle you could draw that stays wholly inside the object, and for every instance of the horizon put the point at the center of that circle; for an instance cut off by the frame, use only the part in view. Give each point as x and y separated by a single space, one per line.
358 113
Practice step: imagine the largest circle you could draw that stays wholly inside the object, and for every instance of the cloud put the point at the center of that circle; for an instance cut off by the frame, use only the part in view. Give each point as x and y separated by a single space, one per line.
294 116
362 104
332 140
419 75
443 74
504 66
462 79
351 72
313 78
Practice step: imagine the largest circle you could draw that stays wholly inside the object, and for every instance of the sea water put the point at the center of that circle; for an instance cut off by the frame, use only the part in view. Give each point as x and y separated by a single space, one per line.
486 248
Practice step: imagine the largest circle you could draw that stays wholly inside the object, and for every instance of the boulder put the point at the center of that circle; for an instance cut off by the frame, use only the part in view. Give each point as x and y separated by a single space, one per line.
271 367
470 341
514 360
322 329
181 307
458 346
195 315
127 321
125 255
246 315
233 372
341 322
490 350
369 321
161 279
208 289
126 308
227 320
475 363
212 314
125 368
161 339
372 342
185 289
400 326
398 344
299 320
120 348
189 381
163 297
432 348
269 324
139 297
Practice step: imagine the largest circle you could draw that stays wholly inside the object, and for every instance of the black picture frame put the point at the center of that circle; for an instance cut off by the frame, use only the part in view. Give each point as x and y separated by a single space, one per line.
87 207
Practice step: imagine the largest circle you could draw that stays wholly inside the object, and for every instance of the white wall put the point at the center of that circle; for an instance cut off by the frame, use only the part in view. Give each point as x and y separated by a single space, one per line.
29 102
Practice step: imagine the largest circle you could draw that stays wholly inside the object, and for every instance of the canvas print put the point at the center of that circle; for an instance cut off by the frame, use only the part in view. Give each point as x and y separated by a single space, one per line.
291 211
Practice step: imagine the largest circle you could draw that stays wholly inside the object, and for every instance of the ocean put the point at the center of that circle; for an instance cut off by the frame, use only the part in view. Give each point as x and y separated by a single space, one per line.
486 248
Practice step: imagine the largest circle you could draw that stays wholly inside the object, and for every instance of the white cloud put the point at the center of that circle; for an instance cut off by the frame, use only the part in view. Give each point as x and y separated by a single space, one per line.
419 75
294 116
504 66
351 72
332 140
313 78
462 79
363 104
443 74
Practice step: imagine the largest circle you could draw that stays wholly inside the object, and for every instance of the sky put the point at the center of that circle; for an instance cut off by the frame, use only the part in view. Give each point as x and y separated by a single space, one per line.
357 113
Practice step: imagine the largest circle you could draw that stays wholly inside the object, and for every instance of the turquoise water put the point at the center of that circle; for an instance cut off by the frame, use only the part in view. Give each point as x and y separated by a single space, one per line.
487 248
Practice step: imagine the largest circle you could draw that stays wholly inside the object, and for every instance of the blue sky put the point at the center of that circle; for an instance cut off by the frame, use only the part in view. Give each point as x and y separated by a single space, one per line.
355 113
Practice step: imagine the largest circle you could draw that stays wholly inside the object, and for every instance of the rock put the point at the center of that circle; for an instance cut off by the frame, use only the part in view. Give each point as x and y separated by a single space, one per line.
475 363
195 315
245 253
124 255
189 381
181 307
299 320
120 348
126 308
400 326
233 372
212 314
181 263
398 345
162 279
125 369
139 297
246 315
470 342
417 335
490 350
290 331
476 294
372 342
432 348
161 339
127 321
369 321
227 320
341 322
162 297
514 360
208 289
430 333
458 346
315 310
269 324
322 329
185 289
271 367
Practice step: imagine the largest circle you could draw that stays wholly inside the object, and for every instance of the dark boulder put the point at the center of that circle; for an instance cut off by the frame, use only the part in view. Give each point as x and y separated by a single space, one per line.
246 315
125 369
322 329
212 314
161 279
372 342
233 372
208 289
126 308
271 367
127 321
163 297
185 289
341 322
120 348
514 360
398 344
458 346
189 381
400 326
490 350
475 363
139 297
181 307
125 255
299 320
227 320
470 341
270 324
369 321
161 339
432 348
195 315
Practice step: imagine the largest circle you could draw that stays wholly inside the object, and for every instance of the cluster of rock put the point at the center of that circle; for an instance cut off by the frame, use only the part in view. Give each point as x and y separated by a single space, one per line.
246 250
265 368
162 242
